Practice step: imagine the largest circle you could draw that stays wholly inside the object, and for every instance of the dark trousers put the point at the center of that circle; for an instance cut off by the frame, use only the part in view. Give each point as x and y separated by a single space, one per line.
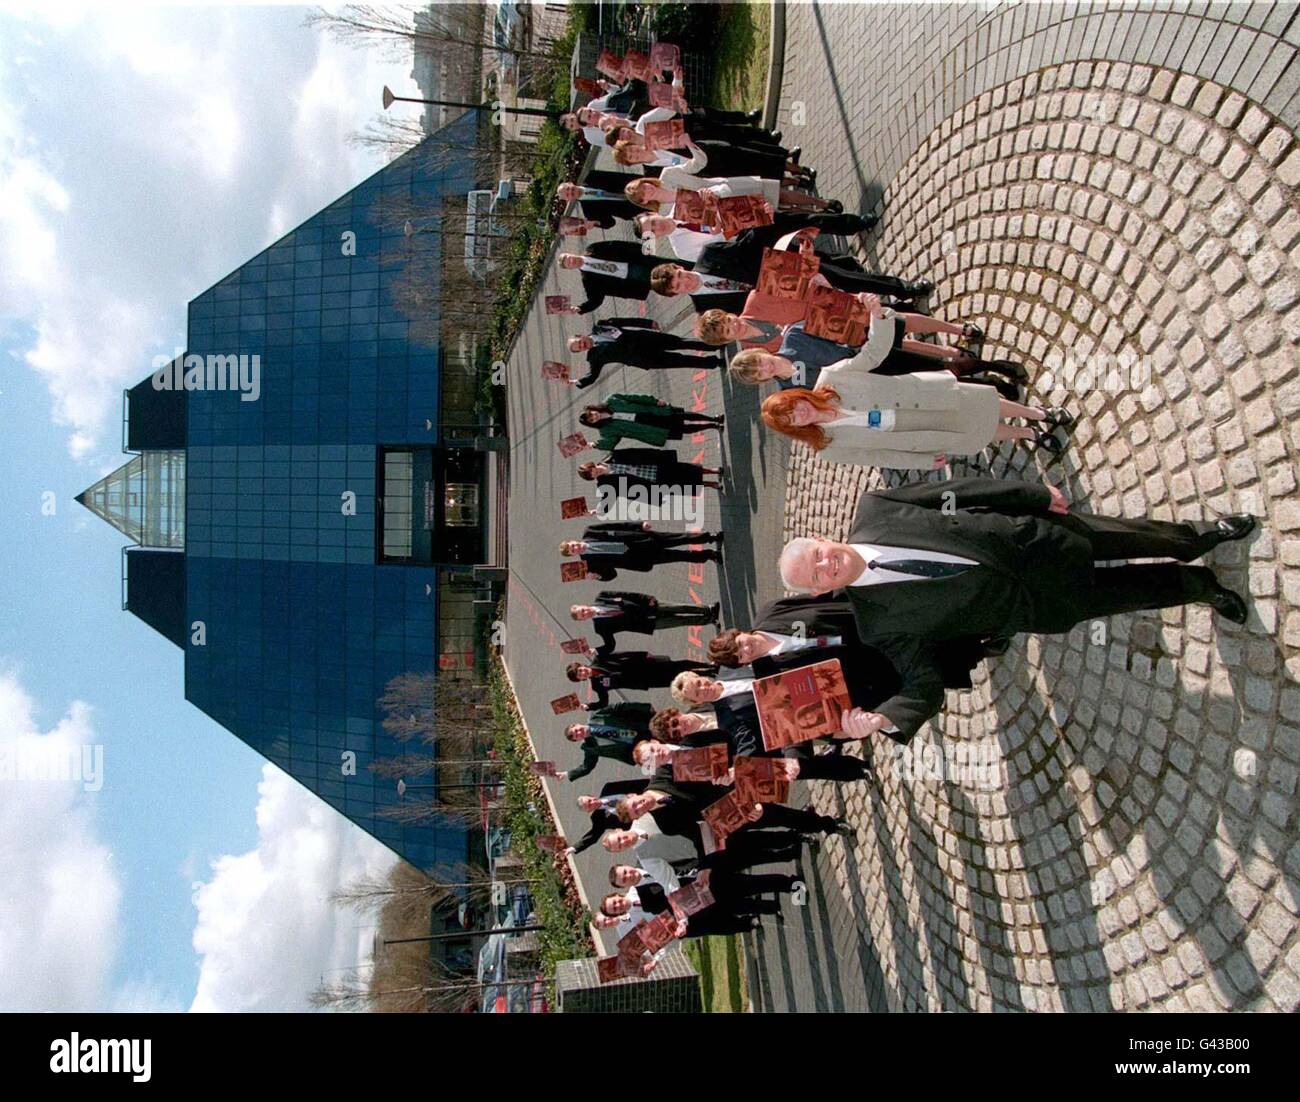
793 818
700 554
687 344
1135 587
653 361
844 279
738 160
702 128
682 616
1140 537
683 539
832 767
679 423
721 114
754 847
843 225
738 892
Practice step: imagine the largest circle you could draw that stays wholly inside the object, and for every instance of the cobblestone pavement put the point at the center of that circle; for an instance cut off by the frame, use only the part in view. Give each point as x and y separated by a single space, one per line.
1108 820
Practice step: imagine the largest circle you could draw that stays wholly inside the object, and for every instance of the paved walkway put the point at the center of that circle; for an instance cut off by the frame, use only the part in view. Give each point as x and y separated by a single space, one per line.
1108 820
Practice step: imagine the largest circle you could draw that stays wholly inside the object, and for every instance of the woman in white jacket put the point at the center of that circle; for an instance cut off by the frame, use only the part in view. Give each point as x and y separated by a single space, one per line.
910 422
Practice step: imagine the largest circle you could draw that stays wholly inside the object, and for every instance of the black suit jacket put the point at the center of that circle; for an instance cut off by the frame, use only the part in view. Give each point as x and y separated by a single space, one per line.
635 715
642 546
602 819
640 347
1030 577
741 257
637 669
615 747
637 284
832 615
638 614
633 100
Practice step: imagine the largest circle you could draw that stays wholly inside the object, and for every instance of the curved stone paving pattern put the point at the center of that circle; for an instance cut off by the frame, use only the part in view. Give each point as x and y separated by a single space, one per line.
1107 820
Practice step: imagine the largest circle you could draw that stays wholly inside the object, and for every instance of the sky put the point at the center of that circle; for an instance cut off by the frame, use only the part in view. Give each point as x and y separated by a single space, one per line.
145 152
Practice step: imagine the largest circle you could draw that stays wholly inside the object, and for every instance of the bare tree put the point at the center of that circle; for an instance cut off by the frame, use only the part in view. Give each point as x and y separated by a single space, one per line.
447 712
397 30
409 896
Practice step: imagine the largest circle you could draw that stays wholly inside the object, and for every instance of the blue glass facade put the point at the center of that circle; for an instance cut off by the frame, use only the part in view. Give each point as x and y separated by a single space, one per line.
302 626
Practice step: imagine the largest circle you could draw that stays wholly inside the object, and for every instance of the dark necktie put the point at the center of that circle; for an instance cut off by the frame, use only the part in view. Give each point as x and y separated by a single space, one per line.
922 568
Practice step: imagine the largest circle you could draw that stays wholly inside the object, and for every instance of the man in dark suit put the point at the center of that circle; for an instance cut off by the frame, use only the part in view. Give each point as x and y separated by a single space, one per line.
932 561
677 806
647 467
634 715
738 726
599 739
634 669
737 262
600 196
639 342
617 269
613 545
639 614
799 631
601 810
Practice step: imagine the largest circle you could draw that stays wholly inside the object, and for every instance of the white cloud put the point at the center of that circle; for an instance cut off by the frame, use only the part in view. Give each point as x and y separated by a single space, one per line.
224 122
60 893
266 930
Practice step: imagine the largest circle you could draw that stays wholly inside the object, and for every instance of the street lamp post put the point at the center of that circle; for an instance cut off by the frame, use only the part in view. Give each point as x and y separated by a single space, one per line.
390 99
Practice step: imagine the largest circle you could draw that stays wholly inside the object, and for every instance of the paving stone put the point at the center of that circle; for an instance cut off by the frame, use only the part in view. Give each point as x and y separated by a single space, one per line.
1091 201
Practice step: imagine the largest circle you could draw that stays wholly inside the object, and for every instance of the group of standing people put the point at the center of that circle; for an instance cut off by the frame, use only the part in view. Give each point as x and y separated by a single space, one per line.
933 577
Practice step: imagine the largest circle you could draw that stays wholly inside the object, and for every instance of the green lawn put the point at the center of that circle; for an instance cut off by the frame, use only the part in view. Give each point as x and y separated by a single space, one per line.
740 77
720 962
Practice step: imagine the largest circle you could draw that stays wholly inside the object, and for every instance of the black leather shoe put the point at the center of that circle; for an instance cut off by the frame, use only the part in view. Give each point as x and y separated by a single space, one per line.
754 115
1049 442
834 207
1009 368
1236 527
919 289
996 646
776 137
1227 604
862 223
794 153
1059 417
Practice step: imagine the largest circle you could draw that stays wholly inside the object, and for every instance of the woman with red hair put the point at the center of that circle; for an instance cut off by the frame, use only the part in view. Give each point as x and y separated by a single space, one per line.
909 422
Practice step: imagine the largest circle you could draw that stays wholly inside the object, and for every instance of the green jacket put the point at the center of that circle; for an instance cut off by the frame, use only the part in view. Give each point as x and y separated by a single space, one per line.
618 429
636 403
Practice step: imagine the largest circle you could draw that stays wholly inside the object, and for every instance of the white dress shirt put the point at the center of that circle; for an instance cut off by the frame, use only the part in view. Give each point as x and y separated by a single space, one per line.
870 553
789 644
